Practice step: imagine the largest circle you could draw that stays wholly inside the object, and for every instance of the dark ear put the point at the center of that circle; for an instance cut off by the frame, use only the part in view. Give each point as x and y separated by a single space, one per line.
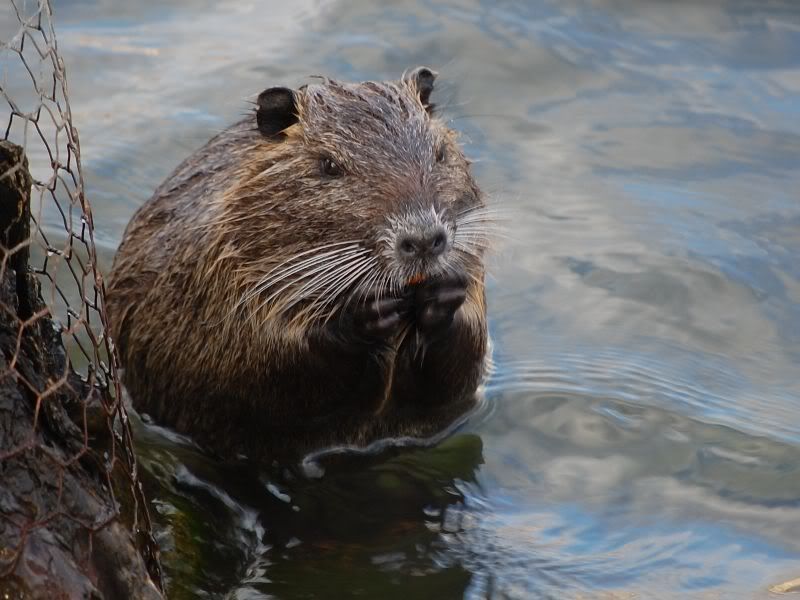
276 110
421 79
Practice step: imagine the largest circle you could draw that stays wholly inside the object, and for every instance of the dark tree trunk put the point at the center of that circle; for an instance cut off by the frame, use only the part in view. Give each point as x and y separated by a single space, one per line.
61 533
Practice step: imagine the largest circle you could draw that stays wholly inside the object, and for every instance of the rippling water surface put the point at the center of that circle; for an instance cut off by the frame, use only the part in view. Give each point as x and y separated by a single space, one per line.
640 437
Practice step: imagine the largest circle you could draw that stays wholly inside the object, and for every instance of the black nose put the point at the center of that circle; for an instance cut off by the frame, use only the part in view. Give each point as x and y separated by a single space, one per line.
429 244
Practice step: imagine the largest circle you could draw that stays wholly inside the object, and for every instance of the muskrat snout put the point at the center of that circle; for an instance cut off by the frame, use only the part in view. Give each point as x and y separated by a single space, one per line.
418 240
421 245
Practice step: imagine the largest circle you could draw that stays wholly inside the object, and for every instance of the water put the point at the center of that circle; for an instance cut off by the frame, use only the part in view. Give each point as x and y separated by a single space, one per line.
640 437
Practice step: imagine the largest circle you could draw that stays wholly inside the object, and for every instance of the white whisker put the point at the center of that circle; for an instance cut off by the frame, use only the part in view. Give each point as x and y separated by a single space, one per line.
319 269
335 293
286 269
322 278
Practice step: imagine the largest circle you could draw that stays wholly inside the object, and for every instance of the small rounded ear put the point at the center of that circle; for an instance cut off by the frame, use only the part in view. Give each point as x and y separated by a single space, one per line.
422 79
276 110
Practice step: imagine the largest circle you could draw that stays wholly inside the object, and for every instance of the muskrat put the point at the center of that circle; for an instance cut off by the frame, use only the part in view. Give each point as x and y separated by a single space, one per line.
312 276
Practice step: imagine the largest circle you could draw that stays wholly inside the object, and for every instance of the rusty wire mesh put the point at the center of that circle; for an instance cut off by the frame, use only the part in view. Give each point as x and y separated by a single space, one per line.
35 114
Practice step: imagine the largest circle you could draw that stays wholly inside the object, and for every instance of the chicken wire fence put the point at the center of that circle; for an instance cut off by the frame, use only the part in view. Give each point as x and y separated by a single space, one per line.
35 115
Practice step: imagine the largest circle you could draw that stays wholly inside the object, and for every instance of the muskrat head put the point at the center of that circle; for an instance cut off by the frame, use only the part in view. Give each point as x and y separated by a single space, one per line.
360 187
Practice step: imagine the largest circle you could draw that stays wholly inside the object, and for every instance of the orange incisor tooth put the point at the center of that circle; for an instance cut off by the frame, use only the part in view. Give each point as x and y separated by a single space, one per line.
415 279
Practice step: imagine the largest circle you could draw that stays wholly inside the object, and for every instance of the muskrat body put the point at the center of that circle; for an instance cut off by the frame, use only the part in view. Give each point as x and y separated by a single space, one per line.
312 276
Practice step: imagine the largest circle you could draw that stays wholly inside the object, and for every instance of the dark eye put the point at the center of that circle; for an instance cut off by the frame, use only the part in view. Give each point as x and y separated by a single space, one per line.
330 167
441 152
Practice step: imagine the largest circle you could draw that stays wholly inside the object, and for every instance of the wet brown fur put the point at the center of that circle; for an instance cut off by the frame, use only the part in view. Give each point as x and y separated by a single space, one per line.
242 375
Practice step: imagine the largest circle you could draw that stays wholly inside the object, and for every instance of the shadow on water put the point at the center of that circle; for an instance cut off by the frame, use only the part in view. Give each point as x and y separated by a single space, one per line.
364 525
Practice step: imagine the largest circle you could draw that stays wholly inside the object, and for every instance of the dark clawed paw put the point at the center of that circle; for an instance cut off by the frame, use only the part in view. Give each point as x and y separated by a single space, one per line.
375 318
436 303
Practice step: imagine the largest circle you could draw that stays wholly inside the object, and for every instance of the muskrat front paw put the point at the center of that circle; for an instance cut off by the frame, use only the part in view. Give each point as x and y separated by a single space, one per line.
436 303
375 319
